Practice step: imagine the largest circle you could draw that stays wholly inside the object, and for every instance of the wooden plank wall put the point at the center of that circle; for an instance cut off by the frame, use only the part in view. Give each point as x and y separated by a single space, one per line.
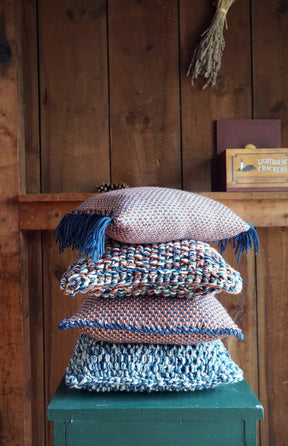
15 382
229 99
270 96
32 249
106 98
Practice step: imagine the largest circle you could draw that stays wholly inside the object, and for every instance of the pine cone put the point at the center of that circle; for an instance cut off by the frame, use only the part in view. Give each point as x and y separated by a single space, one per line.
107 187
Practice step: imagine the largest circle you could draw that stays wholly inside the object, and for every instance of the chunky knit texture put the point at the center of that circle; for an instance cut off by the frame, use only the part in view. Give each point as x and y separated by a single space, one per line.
184 268
152 215
153 320
102 367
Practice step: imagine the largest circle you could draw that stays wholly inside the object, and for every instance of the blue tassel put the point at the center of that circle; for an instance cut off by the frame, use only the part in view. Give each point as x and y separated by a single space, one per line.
85 232
242 242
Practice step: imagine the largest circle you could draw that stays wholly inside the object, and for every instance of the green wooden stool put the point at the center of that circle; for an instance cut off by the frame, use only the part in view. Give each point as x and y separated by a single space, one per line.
224 416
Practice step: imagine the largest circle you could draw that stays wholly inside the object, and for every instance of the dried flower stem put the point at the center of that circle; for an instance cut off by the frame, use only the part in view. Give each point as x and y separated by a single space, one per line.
206 60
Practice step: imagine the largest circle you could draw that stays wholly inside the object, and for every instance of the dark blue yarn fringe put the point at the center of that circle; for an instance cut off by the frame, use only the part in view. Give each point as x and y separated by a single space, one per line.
242 242
85 232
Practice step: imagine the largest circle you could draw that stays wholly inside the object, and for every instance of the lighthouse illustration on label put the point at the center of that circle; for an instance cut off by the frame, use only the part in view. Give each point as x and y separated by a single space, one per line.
241 165
246 168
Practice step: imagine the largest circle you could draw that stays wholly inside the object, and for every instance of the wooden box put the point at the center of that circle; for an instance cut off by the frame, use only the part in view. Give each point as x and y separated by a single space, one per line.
253 169
224 416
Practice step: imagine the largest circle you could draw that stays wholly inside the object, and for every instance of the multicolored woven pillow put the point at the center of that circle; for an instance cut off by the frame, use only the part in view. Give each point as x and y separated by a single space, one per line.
102 367
184 268
153 320
152 215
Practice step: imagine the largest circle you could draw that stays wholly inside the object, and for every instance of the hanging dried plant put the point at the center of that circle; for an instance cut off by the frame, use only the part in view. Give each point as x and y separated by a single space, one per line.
206 60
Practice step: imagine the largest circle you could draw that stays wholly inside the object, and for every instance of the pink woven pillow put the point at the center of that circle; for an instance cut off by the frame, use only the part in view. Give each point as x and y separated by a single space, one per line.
153 320
152 215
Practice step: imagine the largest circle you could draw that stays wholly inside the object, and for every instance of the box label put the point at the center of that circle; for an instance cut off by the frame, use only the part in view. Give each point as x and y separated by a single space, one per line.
257 169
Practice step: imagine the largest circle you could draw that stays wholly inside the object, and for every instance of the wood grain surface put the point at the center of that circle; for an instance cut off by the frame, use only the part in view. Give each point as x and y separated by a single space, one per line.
270 94
243 309
230 98
270 97
31 244
272 301
263 209
15 412
73 95
144 92
103 96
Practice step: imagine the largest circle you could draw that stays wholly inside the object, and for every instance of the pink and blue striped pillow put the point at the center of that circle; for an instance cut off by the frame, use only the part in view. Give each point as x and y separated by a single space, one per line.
153 320
152 215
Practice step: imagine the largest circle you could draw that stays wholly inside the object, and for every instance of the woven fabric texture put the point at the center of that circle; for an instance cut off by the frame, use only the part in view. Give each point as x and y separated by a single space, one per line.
102 367
151 215
178 269
153 320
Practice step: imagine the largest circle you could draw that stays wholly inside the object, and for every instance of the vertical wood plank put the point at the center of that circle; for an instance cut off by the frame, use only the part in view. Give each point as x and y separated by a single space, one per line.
33 300
31 241
229 98
272 286
74 95
74 143
30 96
144 92
270 67
270 62
12 365
243 310
59 345
28 380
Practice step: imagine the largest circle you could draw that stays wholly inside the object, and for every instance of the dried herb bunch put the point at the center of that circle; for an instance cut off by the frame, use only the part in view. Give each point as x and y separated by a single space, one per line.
206 60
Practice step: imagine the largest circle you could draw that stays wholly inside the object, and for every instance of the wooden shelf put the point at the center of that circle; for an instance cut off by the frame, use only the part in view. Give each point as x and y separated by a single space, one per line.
263 209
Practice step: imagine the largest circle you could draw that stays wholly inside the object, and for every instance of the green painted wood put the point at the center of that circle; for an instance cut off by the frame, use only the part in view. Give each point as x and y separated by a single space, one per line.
223 416
235 399
59 433
250 432
156 433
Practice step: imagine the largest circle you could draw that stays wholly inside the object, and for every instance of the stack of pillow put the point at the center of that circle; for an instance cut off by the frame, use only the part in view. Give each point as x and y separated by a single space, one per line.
150 319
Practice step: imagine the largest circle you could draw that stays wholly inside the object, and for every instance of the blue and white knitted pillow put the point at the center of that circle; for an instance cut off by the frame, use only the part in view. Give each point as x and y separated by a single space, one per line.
153 320
177 269
152 215
102 367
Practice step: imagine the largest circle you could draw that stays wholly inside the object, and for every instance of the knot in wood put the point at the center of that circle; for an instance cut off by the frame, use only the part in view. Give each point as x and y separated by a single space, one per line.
5 51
